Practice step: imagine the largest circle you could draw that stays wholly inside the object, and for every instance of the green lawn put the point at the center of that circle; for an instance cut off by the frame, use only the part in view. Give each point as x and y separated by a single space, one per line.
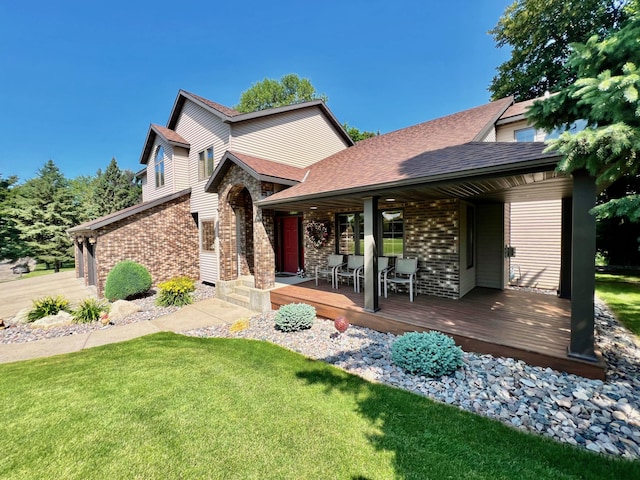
621 293
168 406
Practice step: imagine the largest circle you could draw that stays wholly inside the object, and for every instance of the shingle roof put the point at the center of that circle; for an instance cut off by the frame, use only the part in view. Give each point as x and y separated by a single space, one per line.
93 225
272 169
263 170
169 134
229 112
413 152
517 109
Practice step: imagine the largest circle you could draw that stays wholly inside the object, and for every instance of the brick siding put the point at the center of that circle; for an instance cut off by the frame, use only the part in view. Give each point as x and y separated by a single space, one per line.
164 239
257 255
432 234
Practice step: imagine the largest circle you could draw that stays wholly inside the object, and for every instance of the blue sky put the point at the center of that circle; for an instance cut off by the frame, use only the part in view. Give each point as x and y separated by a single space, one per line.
80 81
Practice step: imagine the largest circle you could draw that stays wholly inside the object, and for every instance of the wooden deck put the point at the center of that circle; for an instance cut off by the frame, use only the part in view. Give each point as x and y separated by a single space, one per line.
528 326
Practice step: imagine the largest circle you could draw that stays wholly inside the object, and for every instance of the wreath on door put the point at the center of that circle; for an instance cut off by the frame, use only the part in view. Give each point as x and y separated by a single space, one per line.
317 233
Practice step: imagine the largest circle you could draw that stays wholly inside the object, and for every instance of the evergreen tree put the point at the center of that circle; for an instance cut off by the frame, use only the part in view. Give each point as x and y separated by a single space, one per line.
83 192
606 94
114 190
44 210
11 247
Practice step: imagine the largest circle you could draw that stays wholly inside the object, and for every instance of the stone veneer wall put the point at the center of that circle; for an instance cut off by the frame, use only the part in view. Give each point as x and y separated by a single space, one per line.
164 239
262 224
432 234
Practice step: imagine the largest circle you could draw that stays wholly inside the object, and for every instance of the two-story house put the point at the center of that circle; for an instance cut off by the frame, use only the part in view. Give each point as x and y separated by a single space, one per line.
227 197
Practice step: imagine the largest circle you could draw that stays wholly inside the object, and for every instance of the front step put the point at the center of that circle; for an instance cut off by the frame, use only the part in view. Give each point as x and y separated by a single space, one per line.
240 300
242 292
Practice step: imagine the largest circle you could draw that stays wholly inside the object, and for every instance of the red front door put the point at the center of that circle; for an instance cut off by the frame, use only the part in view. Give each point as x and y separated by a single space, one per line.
290 245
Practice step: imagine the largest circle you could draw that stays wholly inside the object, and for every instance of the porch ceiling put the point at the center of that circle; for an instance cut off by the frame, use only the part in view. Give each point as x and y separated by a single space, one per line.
515 188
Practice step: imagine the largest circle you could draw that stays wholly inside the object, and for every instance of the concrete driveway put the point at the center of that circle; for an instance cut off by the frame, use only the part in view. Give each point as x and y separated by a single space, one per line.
18 294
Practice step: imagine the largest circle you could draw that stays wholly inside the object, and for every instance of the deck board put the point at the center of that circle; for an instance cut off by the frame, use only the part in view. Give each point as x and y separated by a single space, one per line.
529 326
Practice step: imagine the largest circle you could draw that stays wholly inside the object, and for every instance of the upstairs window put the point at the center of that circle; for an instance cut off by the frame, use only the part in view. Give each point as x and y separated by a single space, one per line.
159 166
205 164
575 127
525 135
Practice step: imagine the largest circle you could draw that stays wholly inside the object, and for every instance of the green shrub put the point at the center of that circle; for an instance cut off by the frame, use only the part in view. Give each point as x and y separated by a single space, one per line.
46 306
89 310
431 354
294 317
127 279
176 291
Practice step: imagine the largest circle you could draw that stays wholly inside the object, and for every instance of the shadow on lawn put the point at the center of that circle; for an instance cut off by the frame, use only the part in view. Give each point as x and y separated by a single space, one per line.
427 439
433 440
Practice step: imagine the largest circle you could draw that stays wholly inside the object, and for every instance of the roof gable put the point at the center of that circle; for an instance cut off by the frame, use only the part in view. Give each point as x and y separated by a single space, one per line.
227 115
170 136
258 168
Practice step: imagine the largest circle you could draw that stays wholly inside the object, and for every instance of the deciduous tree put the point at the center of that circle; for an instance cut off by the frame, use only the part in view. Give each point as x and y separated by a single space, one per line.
357 134
271 93
540 34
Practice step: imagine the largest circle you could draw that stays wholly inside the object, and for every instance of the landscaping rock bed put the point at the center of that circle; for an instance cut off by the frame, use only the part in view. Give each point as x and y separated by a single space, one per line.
25 332
599 416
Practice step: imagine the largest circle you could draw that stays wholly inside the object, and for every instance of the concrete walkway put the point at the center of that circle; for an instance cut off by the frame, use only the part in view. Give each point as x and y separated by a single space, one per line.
198 315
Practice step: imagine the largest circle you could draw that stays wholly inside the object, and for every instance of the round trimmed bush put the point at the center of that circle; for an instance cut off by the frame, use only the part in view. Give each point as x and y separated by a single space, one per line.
127 279
294 317
431 354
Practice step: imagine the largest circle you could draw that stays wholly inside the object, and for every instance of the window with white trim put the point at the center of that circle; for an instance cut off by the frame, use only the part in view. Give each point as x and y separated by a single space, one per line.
205 163
208 235
393 233
159 166
525 135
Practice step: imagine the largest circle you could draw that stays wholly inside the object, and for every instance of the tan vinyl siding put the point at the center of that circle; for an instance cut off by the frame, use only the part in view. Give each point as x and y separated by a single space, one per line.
145 186
491 136
535 232
203 129
180 168
152 192
299 138
506 242
505 133
490 235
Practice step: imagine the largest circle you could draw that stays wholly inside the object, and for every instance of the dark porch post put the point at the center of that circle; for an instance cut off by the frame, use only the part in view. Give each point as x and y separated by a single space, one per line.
564 289
370 254
583 267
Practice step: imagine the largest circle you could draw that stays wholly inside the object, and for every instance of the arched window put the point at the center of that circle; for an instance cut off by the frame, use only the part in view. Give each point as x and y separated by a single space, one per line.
159 166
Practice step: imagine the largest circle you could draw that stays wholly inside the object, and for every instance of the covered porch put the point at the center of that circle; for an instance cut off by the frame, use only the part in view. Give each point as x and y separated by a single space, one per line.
532 327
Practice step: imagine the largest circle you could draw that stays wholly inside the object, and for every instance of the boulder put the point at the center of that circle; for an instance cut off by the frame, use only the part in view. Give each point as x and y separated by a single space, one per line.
61 318
19 318
122 308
